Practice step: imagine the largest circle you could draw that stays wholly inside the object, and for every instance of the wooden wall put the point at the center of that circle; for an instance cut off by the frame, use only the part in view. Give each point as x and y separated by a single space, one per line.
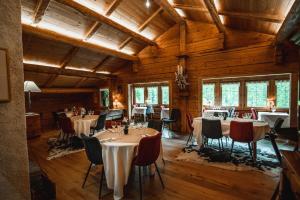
211 54
46 103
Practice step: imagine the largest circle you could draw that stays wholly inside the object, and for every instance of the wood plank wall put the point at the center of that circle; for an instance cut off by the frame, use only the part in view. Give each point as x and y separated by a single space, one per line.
210 55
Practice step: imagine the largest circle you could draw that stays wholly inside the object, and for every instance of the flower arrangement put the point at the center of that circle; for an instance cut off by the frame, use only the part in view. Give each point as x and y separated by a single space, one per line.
181 78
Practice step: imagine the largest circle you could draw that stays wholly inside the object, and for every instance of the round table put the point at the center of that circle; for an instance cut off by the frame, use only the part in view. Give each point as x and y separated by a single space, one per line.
271 117
118 151
83 125
259 129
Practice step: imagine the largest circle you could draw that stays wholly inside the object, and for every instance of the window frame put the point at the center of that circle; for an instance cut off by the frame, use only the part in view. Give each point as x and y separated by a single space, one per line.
239 92
209 83
161 95
275 93
246 94
158 102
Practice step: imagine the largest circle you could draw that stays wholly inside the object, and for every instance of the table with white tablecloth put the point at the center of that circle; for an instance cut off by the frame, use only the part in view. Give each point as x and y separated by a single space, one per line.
141 111
206 113
259 129
164 113
271 117
118 154
83 125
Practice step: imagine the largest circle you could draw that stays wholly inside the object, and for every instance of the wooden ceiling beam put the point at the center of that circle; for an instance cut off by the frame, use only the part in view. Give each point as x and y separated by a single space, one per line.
169 9
40 10
82 80
52 35
142 27
96 25
104 19
65 72
67 90
101 63
214 15
67 59
290 23
253 16
190 7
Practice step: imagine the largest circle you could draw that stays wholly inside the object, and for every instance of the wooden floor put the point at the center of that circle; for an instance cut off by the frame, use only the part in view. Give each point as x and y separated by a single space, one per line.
183 180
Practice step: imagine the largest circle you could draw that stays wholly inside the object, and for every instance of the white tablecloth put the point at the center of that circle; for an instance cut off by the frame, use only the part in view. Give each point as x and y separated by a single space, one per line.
270 118
259 128
139 110
83 125
206 113
118 155
164 113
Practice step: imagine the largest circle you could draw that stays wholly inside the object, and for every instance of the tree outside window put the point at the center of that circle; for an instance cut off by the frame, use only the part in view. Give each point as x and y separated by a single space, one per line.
208 94
257 94
139 95
152 95
282 93
165 95
230 94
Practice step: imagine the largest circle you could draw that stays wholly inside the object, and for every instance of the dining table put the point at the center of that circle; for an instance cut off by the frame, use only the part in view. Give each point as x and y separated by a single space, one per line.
142 110
271 117
260 128
164 113
118 152
83 124
207 113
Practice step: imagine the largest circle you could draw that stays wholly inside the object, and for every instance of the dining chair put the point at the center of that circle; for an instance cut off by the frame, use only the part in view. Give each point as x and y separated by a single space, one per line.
93 152
100 124
157 125
273 135
175 116
211 129
231 112
147 154
254 114
241 132
67 129
189 119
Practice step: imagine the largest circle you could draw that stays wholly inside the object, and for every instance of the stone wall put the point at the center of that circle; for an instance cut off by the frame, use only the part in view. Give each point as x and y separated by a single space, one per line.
14 179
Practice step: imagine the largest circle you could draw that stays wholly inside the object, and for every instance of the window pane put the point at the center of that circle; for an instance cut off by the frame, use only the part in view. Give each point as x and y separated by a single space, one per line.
104 97
208 94
283 94
257 94
230 94
152 95
139 95
165 94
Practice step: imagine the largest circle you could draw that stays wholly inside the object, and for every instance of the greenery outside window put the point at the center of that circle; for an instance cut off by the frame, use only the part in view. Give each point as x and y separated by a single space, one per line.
165 95
152 95
208 94
139 95
230 94
282 93
257 94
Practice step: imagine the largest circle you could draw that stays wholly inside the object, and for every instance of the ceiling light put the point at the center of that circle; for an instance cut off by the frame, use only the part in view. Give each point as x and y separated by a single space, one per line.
40 63
80 69
148 3
102 72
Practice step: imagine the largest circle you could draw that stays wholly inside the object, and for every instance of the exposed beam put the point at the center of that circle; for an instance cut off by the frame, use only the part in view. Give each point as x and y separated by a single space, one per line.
80 82
40 10
101 63
72 52
290 23
51 35
214 15
168 8
142 27
50 80
65 72
253 16
67 90
104 19
95 26
190 7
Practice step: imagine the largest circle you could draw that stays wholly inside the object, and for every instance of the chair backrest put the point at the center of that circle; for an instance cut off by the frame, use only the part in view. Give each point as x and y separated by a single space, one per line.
66 125
241 131
189 119
155 124
148 150
93 149
254 114
101 122
175 114
277 125
211 128
231 111
108 124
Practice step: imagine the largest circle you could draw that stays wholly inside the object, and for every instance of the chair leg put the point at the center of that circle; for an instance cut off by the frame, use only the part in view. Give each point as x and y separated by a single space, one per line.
164 162
231 147
140 183
219 144
101 180
222 144
87 173
161 181
275 147
187 142
249 146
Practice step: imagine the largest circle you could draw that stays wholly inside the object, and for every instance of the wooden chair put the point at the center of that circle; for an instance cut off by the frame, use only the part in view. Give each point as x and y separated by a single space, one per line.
93 151
148 152
67 129
211 129
175 116
254 114
100 124
157 125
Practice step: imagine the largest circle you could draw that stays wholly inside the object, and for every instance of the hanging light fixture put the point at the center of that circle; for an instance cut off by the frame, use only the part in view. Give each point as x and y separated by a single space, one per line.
148 3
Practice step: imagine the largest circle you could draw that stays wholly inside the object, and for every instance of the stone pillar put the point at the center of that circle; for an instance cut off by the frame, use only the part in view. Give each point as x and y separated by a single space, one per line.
14 178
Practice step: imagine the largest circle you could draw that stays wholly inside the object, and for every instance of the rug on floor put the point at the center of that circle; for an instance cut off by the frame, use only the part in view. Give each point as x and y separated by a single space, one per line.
240 160
57 150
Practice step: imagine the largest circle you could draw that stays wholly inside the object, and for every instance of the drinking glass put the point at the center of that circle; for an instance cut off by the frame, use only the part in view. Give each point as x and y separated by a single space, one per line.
236 114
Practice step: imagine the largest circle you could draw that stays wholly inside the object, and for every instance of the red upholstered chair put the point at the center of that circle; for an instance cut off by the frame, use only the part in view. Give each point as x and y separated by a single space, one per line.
254 114
67 129
108 124
241 132
189 119
148 152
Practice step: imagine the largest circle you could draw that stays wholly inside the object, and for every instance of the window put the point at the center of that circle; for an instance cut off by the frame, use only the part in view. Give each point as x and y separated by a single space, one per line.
282 93
208 94
257 94
139 95
152 95
165 95
230 94
104 97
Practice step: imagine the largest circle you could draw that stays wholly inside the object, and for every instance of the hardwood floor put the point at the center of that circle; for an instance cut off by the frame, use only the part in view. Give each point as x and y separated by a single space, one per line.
183 180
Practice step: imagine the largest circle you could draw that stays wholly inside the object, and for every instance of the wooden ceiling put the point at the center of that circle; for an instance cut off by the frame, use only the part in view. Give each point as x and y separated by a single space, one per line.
106 35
